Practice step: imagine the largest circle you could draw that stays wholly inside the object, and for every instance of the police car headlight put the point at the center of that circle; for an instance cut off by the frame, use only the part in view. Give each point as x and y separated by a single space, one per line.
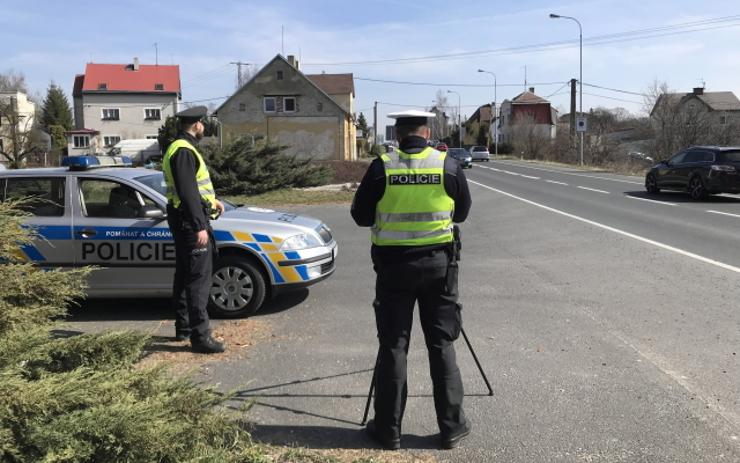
302 241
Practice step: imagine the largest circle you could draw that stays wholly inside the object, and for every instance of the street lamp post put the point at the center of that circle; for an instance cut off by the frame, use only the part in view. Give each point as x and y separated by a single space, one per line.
494 114
580 65
459 123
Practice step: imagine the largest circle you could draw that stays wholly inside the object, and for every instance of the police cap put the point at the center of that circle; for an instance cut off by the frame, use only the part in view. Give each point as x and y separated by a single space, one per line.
192 115
411 118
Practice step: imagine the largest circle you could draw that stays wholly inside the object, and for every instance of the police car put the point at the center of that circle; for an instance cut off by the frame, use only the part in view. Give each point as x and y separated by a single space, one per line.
98 211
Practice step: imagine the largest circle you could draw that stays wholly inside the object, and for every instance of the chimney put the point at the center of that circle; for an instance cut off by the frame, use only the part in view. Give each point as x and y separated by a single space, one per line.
135 66
531 89
698 91
292 61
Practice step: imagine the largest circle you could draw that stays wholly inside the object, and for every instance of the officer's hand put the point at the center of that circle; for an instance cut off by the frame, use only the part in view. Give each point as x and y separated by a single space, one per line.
219 207
202 239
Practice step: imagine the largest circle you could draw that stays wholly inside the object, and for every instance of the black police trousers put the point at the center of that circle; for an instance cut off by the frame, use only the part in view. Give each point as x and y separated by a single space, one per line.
192 285
399 286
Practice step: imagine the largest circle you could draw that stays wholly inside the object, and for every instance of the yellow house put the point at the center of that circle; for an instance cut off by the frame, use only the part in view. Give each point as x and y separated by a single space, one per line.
313 115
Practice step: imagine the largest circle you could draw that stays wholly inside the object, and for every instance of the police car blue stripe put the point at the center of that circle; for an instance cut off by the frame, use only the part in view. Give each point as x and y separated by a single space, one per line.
222 235
254 246
275 273
302 271
53 232
292 255
262 238
32 253
126 233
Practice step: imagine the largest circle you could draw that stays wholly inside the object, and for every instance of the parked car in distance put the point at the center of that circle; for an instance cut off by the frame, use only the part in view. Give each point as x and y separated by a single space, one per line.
441 147
463 157
140 150
699 170
480 153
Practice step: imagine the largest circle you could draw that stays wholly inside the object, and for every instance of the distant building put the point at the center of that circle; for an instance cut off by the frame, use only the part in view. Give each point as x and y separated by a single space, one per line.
122 101
438 124
527 108
481 119
313 115
720 109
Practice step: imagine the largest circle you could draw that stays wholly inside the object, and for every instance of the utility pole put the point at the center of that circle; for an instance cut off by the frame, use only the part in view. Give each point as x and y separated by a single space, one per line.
375 123
239 79
525 77
156 55
572 118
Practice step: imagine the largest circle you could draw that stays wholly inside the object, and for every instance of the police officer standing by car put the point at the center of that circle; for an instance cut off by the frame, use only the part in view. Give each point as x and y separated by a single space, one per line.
191 204
410 197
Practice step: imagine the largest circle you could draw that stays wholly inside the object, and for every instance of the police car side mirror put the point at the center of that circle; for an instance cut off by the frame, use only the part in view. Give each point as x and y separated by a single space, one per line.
151 212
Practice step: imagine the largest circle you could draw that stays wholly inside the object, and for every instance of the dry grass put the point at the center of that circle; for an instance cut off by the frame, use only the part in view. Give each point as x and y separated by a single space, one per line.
290 197
303 455
239 336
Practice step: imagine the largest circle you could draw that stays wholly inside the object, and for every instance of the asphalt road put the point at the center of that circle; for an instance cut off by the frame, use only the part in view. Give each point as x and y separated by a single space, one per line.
605 319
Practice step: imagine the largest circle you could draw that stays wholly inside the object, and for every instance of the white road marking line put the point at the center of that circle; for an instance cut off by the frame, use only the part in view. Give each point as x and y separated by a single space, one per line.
593 189
529 176
556 183
658 244
570 173
651 200
510 173
723 213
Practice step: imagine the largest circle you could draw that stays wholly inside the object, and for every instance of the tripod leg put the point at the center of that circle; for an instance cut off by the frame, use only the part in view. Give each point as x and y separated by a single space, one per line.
475 357
370 393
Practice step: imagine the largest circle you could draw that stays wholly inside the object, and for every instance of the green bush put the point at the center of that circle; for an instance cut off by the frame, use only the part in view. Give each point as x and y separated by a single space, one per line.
82 398
244 168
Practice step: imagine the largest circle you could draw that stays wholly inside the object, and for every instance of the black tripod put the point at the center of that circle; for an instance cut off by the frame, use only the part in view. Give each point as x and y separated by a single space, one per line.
475 357
457 247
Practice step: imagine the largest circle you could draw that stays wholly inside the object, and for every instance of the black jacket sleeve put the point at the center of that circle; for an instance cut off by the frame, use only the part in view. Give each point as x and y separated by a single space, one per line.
456 186
184 166
370 191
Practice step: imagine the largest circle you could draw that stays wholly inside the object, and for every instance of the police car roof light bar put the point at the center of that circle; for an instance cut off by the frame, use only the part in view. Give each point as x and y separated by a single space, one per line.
90 162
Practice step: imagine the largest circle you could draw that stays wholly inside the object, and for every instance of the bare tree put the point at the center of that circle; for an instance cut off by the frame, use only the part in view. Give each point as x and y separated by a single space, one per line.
18 135
13 81
529 138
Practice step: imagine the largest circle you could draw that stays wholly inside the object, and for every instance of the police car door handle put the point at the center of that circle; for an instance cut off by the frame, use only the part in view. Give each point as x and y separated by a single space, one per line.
87 233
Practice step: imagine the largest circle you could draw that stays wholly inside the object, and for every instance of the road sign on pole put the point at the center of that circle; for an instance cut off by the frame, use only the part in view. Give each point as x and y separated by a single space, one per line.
581 124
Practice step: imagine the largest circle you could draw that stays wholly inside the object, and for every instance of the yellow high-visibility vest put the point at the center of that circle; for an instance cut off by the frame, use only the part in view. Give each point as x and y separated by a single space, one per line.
203 179
415 209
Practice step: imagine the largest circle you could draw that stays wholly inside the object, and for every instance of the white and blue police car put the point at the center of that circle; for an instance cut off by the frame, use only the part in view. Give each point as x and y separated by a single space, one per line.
100 211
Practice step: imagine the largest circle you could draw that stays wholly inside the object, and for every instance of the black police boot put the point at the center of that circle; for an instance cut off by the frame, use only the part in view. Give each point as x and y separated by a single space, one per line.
389 440
207 345
453 440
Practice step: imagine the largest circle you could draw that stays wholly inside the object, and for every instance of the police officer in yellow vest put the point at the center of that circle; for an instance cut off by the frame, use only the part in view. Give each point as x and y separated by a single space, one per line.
192 202
410 198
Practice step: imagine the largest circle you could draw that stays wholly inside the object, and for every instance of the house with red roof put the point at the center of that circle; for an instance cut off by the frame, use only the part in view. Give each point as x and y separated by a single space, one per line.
527 111
114 102
311 114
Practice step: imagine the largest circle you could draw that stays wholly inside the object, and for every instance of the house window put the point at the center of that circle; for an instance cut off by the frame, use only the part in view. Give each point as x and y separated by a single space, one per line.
242 107
289 104
102 86
111 114
269 104
81 141
723 120
280 75
319 106
111 140
158 86
152 137
152 114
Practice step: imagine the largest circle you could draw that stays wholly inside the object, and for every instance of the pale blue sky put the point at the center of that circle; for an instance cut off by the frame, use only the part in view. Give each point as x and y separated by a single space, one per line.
51 40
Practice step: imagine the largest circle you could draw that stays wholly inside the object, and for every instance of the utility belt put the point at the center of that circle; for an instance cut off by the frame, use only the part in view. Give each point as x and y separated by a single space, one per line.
207 210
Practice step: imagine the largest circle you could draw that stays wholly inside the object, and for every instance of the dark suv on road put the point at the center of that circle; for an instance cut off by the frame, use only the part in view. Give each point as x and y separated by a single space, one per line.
699 170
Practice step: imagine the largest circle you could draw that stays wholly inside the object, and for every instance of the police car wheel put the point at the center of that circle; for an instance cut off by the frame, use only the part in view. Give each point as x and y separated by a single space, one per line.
238 288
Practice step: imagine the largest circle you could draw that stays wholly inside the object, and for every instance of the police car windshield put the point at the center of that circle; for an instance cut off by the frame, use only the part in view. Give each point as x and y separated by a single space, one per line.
156 182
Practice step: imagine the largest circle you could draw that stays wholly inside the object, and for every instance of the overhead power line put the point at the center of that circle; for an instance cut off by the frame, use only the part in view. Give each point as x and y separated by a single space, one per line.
638 34
432 84
615 90
612 98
